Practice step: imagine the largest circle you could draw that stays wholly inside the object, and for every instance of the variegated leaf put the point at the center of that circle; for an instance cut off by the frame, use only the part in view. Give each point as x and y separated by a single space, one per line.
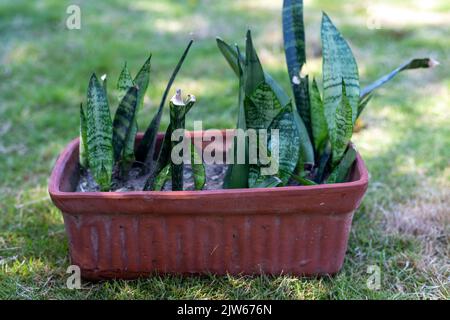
294 37
124 83
269 182
261 107
412 64
99 134
294 48
363 103
141 81
338 63
237 173
161 179
288 143
146 150
83 139
340 173
319 123
253 71
198 169
123 121
342 129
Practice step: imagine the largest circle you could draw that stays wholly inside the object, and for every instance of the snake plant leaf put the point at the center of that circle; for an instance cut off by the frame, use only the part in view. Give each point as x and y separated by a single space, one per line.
412 64
141 80
198 169
104 79
236 175
304 105
338 63
306 151
146 149
261 107
342 128
303 181
254 176
269 182
161 179
177 122
99 134
124 120
306 146
253 71
83 139
363 103
294 48
318 121
340 173
124 82
288 143
294 37
233 57
324 164
162 160
230 55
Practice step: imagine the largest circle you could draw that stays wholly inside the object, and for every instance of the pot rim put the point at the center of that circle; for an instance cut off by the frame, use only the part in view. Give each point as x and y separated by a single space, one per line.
59 170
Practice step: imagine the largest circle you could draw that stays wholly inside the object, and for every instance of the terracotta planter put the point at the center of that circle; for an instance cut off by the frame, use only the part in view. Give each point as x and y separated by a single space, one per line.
289 230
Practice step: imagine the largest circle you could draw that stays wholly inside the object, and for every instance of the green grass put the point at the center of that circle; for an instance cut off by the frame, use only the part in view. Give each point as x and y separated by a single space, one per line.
402 225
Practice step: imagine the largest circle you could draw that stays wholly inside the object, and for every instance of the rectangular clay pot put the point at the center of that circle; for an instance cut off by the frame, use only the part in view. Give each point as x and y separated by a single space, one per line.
289 230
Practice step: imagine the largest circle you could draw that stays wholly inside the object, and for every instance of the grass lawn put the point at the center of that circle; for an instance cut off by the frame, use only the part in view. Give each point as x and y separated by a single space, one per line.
402 226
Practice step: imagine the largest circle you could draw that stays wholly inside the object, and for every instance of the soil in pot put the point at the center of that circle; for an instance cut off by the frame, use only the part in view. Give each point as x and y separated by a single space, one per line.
215 174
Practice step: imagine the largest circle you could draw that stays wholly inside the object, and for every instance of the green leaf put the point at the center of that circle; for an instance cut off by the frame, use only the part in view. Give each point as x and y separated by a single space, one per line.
294 48
230 55
324 164
124 83
294 37
253 72
338 63
288 143
319 123
269 182
261 107
198 169
162 160
233 57
99 134
303 181
341 172
306 147
237 173
363 103
177 122
161 179
83 139
124 120
342 128
141 80
146 149
412 64
104 79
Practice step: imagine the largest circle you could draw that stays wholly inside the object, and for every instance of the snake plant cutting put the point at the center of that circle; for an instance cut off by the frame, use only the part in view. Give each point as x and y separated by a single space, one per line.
315 128
107 146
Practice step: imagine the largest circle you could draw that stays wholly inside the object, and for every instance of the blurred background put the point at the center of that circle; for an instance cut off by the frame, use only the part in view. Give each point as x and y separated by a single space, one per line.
402 227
